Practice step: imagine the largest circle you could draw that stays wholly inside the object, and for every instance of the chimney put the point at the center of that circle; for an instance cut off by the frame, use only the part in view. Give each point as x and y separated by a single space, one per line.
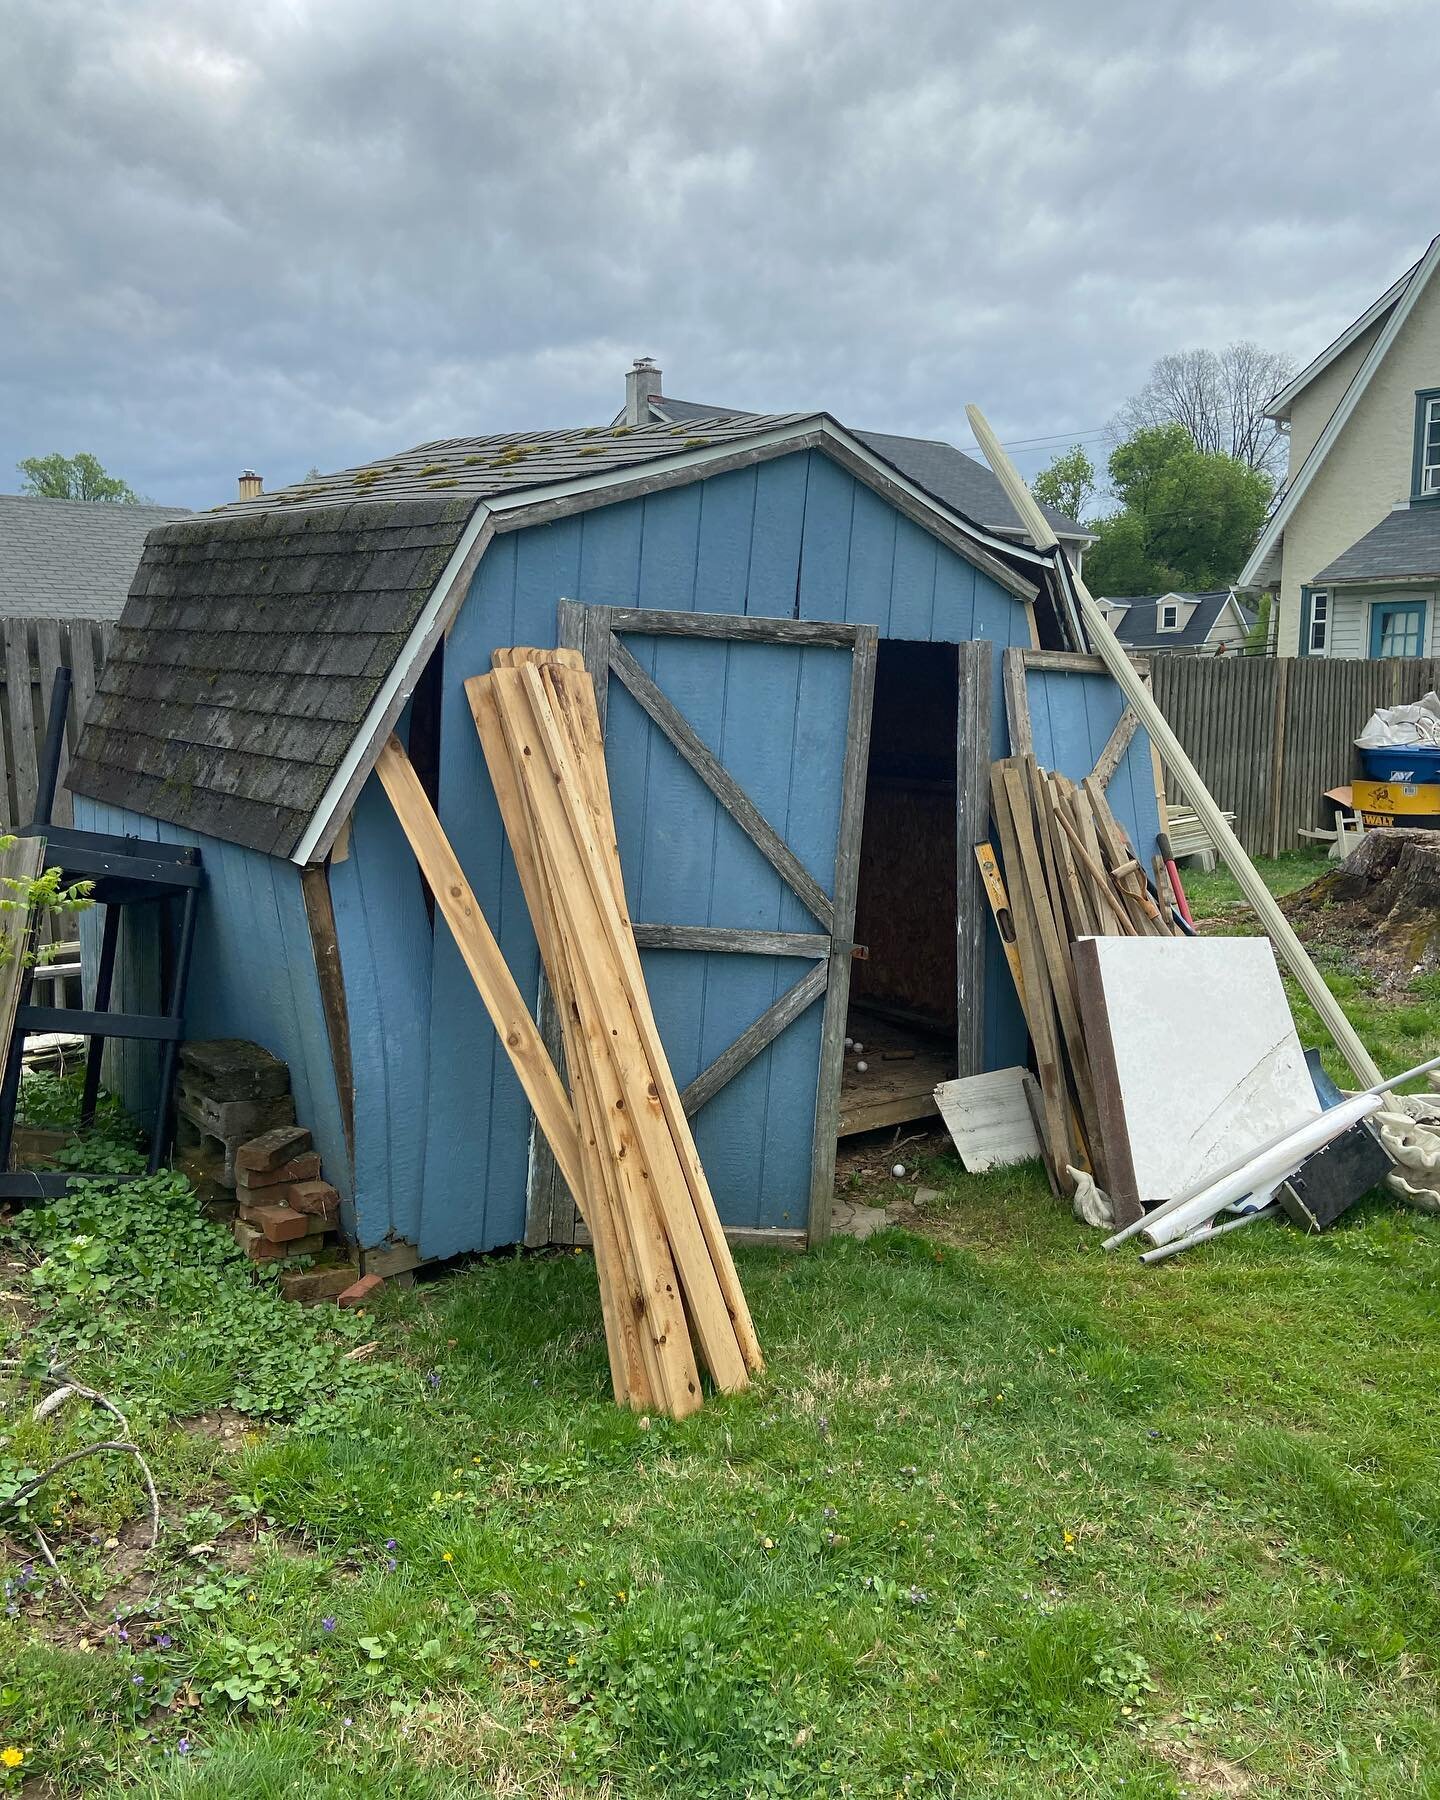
641 382
251 486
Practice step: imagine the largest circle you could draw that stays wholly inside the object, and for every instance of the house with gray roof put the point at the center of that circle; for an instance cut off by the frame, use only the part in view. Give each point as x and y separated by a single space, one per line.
1200 624
959 480
71 559
791 639
1351 550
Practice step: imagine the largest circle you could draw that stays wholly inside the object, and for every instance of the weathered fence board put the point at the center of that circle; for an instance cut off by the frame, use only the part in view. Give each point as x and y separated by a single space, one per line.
1270 736
33 649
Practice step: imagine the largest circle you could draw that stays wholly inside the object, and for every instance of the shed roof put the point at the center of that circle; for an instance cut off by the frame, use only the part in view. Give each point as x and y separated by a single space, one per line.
268 646
969 486
487 468
71 559
248 656
1138 626
1405 545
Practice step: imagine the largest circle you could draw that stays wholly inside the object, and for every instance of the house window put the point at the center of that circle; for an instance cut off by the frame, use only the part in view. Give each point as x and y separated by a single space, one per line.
1319 622
1397 628
1170 618
1427 445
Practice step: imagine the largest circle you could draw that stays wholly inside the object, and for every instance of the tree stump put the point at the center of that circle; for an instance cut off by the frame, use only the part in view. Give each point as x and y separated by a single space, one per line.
1387 892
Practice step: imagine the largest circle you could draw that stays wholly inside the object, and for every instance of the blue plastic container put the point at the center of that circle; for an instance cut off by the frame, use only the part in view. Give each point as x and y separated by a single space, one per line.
1412 763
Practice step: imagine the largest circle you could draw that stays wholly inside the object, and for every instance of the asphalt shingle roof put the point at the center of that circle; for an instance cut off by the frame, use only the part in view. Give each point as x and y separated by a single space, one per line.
1403 545
248 655
257 636
482 468
71 559
1137 626
942 470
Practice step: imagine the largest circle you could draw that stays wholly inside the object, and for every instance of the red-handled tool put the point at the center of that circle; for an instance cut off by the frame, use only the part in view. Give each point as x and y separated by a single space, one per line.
1175 882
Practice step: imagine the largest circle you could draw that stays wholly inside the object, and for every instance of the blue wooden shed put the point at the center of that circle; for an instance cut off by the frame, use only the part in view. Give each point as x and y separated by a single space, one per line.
799 656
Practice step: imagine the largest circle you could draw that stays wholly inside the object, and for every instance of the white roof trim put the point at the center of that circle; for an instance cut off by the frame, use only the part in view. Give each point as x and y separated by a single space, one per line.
1251 574
1279 404
500 513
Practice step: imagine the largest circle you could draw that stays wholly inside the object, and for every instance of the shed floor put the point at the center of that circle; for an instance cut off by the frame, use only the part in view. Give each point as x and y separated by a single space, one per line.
905 1064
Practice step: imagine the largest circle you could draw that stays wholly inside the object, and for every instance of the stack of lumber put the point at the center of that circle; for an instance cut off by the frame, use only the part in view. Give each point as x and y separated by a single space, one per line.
665 1270
1070 872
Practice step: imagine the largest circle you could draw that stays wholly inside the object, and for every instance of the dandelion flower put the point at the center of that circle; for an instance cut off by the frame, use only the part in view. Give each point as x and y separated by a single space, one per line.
534 1662
11 1757
448 1556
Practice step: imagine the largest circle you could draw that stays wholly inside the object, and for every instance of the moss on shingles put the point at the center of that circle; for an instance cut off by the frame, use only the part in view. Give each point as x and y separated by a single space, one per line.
432 469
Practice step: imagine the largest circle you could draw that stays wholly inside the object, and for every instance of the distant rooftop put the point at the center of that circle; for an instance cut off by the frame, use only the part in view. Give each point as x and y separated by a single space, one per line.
71 559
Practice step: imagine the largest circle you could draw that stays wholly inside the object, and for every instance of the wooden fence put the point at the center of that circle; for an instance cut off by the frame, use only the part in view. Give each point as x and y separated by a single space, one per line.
1269 735
33 649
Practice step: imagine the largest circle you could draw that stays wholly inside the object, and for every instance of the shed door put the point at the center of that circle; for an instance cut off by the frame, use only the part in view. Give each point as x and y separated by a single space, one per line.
736 750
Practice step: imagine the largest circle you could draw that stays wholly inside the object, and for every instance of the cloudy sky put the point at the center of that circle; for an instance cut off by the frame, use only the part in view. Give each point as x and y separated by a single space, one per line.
296 232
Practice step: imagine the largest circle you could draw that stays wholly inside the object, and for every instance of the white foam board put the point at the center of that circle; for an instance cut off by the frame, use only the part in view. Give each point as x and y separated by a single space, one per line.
1195 1058
989 1118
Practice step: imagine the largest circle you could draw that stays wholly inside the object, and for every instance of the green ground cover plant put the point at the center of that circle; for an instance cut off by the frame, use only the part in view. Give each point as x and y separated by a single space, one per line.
1005 1517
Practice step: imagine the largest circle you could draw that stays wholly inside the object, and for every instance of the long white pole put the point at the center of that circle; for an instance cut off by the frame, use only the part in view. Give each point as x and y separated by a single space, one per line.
1112 653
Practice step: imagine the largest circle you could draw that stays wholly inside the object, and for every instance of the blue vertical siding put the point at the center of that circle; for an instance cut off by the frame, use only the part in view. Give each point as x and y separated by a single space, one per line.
253 975
385 952
1071 718
793 537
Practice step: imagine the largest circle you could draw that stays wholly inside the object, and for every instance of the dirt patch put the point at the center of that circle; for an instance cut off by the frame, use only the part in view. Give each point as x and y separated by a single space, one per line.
231 1430
1200 1772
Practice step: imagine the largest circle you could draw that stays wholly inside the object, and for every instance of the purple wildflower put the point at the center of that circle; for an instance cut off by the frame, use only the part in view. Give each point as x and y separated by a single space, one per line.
137 1681
327 1623
183 1746
123 1635
392 1543
164 1641
347 1722
433 1378
390 1564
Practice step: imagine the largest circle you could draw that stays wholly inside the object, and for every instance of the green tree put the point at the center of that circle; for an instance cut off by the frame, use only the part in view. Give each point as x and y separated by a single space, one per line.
78 477
1187 518
1068 485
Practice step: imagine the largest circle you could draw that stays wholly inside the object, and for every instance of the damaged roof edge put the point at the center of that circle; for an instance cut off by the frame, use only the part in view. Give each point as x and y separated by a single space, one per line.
509 512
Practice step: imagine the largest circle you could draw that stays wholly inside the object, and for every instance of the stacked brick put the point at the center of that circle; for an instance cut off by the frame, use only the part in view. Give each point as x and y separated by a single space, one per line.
255 1166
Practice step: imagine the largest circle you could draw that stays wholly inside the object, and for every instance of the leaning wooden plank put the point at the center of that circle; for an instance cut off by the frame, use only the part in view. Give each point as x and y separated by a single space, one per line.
1079 903
573 745
622 1340
481 954
50 657
1187 777
18 692
1062 974
1017 702
1126 870
582 893
572 701
988 1118
1036 997
621 1216
1099 880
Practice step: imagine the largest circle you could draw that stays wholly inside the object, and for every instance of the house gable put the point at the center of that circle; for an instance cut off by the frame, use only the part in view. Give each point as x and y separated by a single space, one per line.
1359 463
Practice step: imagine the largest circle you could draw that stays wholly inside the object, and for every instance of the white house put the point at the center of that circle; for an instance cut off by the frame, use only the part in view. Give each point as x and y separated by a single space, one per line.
1352 548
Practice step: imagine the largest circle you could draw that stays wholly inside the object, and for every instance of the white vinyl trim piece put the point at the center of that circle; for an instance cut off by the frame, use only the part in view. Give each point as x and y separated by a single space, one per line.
1250 575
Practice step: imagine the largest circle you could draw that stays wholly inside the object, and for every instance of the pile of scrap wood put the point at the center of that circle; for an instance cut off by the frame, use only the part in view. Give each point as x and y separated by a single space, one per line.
1070 872
668 1285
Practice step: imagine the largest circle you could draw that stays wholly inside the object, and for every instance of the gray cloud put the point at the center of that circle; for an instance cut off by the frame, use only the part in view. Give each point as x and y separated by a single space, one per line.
310 231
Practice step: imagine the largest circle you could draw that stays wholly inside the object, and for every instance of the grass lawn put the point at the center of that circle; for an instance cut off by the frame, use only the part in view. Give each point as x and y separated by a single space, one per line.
1005 1517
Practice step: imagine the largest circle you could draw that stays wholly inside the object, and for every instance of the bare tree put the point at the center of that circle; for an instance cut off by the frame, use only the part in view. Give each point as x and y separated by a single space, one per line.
1219 398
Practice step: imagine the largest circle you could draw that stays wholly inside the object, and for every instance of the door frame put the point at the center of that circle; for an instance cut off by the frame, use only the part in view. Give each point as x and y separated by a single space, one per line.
550 1215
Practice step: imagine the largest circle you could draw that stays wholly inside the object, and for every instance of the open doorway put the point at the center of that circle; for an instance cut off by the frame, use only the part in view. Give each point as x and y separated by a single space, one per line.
903 992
